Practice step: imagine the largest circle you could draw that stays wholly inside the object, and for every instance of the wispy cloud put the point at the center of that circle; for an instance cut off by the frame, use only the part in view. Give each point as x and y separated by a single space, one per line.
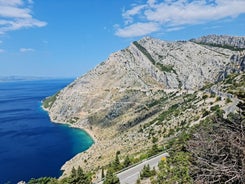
171 15
2 50
27 50
17 14
137 29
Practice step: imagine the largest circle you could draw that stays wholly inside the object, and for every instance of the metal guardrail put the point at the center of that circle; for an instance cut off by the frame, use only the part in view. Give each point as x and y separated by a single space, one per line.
131 166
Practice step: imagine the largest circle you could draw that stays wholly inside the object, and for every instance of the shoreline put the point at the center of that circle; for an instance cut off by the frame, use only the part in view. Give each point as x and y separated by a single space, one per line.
83 128
77 125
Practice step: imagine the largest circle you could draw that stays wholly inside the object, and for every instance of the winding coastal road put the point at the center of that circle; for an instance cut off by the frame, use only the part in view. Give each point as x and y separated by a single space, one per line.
130 175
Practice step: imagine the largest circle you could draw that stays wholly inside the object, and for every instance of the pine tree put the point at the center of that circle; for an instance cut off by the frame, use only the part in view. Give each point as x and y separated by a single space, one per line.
82 177
78 177
126 162
116 163
73 177
102 173
111 178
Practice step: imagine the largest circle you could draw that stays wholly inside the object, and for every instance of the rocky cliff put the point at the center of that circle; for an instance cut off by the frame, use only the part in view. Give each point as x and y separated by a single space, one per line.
149 89
135 75
233 43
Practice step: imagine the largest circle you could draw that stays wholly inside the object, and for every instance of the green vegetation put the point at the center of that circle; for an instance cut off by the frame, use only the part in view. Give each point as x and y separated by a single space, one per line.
73 120
218 98
116 165
77 177
102 172
127 162
144 51
111 178
153 151
215 108
146 172
44 180
205 113
164 68
112 168
206 86
233 48
49 101
175 169
156 102
204 97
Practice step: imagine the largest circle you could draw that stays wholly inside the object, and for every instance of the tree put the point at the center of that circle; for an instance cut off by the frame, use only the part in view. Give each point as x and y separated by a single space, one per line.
116 163
175 169
204 97
153 151
126 162
138 181
146 171
73 177
78 177
102 173
82 177
111 178
43 180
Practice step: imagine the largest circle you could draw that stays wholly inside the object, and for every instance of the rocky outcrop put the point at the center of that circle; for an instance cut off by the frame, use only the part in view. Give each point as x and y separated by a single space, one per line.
231 42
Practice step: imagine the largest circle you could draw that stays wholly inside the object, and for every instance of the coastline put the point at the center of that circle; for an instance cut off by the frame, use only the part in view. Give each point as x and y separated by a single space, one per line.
83 126
85 129
78 125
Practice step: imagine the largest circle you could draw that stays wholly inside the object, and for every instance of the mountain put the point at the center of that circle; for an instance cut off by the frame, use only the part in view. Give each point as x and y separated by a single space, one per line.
231 42
137 74
152 88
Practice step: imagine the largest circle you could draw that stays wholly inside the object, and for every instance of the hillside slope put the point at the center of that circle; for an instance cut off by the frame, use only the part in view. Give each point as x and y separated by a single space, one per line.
134 76
147 91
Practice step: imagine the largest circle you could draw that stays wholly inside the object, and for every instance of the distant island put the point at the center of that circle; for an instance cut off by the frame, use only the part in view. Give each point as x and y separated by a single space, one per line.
25 78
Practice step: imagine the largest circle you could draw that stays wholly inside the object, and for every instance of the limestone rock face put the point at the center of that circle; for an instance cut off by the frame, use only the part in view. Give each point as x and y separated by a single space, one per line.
223 40
132 77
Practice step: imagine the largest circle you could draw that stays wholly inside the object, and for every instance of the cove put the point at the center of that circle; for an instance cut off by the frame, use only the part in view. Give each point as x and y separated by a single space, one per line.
31 146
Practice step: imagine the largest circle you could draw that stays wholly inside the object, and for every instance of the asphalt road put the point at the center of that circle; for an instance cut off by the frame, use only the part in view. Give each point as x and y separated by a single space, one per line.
131 175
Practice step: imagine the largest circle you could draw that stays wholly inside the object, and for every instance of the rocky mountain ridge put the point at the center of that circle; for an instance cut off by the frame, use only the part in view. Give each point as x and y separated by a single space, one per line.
148 84
136 74
222 40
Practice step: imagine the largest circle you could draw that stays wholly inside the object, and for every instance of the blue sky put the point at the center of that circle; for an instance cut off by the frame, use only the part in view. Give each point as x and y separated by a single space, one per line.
67 38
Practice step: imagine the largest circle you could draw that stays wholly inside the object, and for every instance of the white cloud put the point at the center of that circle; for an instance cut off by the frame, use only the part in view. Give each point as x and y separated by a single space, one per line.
128 15
17 14
11 2
170 29
26 50
172 15
137 29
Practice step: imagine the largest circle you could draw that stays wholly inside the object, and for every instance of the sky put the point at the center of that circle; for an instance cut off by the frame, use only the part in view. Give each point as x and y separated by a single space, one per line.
67 38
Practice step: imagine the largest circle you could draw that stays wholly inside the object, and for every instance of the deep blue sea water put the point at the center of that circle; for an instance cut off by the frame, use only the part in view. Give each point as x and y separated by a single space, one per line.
30 145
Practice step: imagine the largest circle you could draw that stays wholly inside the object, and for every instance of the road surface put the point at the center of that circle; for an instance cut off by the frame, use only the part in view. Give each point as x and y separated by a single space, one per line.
131 175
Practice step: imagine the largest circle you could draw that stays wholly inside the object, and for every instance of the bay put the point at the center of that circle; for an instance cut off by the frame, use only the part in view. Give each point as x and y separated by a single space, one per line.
31 146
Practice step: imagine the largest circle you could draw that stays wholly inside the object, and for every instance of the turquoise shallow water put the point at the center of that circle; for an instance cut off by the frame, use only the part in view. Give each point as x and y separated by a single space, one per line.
30 145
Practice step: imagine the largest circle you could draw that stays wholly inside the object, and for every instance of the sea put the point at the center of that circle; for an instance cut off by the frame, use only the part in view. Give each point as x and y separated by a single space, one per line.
31 146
